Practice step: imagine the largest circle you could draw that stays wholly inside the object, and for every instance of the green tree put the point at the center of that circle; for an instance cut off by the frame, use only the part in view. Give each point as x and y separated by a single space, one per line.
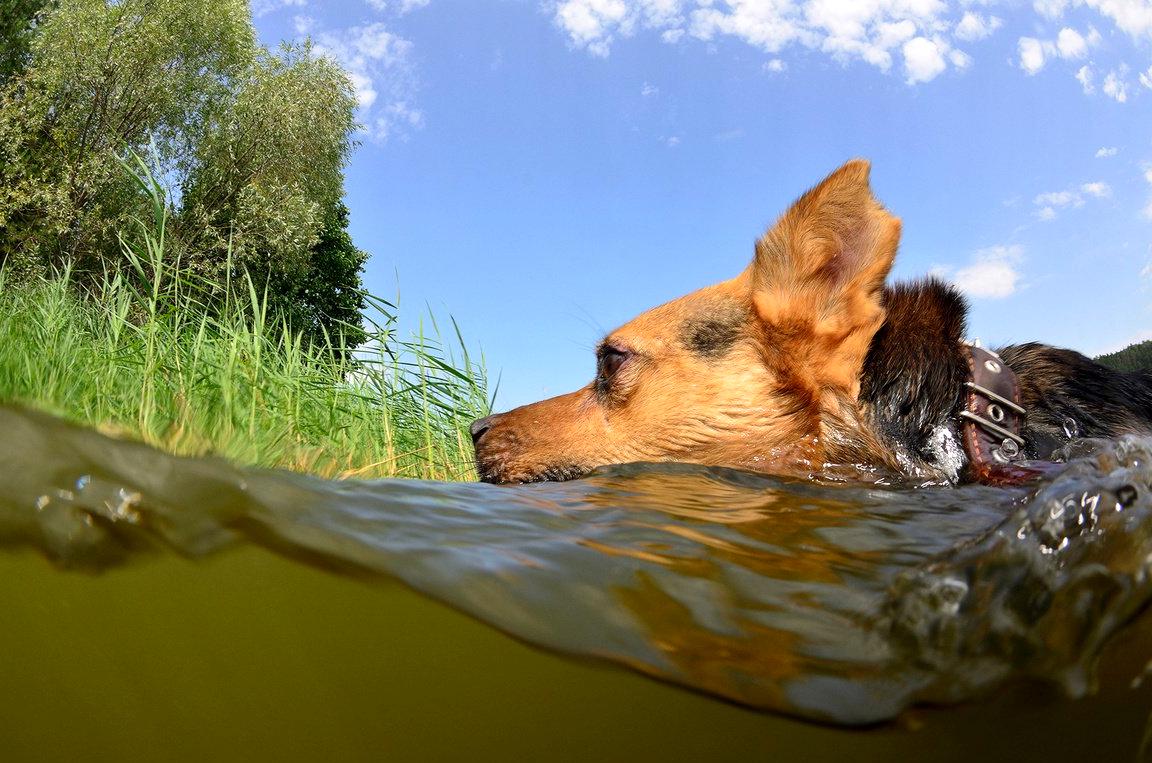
265 189
1134 357
251 145
103 79
18 22
328 302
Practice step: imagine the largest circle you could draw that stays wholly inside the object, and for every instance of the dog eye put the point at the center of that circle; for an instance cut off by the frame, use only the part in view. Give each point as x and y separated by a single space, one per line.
609 361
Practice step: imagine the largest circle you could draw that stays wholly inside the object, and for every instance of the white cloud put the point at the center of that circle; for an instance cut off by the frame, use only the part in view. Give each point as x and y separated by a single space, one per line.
1071 44
874 31
1052 9
1147 211
775 65
1084 77
973 26
264 7
649 90
1031 54
1115 86
922 35
303 25
1059 199
411 5
1146 78
1106 152
922 60
1051 201
379 64
672 142
1133 17
992 274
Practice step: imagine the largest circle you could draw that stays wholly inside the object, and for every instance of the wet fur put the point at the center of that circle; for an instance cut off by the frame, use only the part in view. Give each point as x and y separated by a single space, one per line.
804 360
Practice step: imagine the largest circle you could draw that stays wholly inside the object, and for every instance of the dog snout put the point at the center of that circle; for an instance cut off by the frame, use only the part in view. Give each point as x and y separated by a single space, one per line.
480 426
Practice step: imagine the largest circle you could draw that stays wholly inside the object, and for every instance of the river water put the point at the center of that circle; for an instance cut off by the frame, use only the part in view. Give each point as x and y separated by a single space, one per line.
848 603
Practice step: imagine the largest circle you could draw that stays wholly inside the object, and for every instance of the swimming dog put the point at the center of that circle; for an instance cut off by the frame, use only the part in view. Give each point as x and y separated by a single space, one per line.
807 359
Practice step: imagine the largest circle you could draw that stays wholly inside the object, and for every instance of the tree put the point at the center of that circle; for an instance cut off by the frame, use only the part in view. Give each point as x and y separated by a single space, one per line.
266 185
1134 357
251 145
104 79
327 302
18 22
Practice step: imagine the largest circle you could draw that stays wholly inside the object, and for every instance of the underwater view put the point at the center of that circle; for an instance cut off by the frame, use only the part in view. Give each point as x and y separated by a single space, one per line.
166 608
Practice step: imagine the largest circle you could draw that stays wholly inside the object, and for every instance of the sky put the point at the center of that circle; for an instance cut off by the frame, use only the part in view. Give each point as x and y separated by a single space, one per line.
544 171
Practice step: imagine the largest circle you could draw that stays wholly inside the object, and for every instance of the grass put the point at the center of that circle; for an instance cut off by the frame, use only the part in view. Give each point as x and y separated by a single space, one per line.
141 357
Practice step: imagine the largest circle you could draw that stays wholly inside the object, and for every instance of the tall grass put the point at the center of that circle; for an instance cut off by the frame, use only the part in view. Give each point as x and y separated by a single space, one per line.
140 355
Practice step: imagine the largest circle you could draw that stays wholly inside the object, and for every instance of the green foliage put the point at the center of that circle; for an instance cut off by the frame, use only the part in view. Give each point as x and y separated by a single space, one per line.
18 21
146 360
250 143
1134 357
324 304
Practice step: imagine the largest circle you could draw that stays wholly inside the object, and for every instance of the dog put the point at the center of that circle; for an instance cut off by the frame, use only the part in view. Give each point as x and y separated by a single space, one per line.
806 360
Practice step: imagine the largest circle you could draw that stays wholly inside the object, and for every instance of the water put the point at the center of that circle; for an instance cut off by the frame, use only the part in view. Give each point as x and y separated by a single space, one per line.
843 603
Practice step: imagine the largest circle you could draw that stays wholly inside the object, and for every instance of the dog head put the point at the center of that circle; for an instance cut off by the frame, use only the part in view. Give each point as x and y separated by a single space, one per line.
760 372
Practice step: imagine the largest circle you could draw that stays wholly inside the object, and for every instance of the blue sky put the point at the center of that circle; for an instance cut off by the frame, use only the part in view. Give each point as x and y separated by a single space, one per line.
543 171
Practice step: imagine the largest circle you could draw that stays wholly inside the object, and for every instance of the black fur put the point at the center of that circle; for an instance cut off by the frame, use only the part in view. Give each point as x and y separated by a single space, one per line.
914 373
915 370
713 336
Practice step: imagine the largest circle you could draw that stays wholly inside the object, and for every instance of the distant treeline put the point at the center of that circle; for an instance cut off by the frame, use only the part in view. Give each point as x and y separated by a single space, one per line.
1134 357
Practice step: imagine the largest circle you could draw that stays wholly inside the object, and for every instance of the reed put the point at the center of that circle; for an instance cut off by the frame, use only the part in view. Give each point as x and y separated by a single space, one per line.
142 354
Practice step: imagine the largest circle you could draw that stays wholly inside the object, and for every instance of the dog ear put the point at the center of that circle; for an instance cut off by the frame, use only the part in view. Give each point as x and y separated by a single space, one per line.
818 276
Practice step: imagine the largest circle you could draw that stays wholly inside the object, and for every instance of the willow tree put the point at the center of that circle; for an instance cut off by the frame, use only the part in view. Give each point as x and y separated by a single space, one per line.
105 78
251 145
265 183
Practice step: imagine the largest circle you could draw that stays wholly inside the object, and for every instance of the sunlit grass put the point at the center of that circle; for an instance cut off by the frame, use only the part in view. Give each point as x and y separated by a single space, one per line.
140 356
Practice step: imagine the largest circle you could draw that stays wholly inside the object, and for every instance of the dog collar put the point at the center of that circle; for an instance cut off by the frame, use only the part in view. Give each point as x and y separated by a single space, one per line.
992 420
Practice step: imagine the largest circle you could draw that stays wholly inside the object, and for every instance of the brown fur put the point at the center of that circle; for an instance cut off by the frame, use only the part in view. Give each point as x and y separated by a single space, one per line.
794 364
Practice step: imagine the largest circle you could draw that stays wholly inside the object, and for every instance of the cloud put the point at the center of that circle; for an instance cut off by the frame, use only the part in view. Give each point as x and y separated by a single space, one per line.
1114 85
672 142
649 90
1031 54
1134 17
1071 44
1084 77
1099 189
1050 201
776 65
922 60
1146 78
379 62
1147 211
993 273
874 32
921 38
973 26
1106 152
264 7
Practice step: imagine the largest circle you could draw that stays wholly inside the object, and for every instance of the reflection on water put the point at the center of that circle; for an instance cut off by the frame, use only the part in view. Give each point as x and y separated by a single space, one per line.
835 602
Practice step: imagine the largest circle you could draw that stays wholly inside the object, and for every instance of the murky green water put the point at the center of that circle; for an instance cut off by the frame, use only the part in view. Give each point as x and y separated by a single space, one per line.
154 608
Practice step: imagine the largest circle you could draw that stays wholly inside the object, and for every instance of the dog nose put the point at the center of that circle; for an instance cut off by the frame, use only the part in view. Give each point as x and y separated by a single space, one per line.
480 426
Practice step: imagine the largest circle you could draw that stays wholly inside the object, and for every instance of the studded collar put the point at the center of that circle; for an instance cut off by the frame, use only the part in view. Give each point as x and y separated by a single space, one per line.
992 420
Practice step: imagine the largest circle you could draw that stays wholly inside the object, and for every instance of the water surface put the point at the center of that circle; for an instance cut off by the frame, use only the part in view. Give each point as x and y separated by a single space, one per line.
843 603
